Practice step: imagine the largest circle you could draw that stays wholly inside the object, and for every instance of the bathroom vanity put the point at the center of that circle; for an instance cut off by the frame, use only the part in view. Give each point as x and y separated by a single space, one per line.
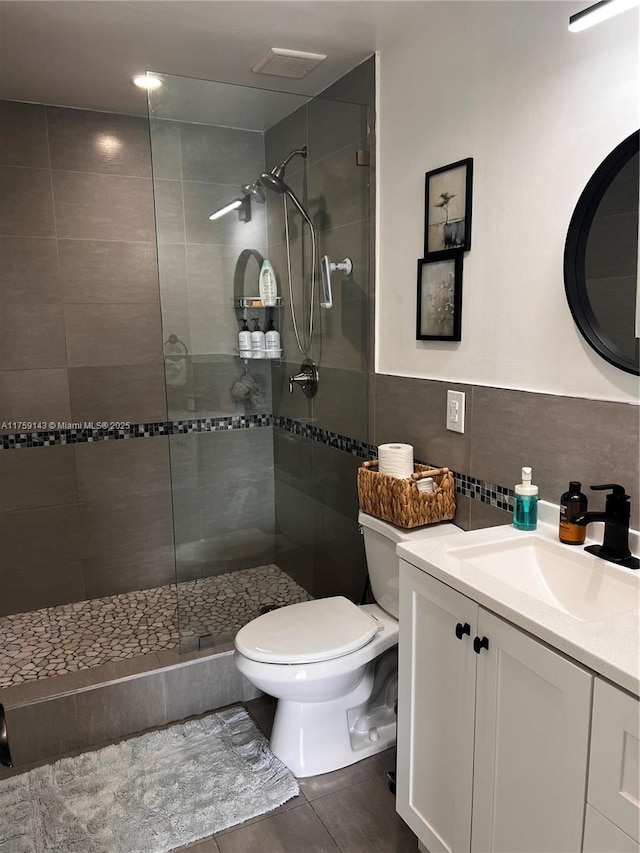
518 717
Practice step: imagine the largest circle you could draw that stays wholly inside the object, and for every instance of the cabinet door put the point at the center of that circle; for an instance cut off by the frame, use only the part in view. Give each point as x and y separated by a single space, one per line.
602 836
436 696
532 735
614 770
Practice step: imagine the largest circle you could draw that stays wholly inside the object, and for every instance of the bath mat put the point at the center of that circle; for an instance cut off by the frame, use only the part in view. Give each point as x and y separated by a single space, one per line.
150 794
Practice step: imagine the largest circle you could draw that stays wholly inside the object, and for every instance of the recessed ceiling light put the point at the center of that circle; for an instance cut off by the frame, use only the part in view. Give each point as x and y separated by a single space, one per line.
147 81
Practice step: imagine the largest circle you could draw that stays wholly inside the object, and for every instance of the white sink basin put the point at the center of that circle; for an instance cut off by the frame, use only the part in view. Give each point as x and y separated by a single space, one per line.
584 587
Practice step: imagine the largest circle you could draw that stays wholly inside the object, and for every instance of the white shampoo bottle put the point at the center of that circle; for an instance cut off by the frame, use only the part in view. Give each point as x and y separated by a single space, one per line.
267 285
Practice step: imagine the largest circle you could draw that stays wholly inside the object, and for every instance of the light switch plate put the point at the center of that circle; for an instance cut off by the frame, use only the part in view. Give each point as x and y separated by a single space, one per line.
455 411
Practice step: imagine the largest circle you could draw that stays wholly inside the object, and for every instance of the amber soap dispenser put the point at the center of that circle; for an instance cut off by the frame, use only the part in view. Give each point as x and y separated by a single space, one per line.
572 503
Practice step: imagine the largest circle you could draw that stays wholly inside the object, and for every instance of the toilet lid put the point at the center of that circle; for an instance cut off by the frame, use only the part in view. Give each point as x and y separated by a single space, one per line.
308 632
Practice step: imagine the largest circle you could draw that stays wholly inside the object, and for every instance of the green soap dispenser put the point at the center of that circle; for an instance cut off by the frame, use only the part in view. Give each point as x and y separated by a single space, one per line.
525 503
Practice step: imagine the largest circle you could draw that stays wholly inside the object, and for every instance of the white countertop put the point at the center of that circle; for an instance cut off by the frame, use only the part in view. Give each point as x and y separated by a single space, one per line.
610 646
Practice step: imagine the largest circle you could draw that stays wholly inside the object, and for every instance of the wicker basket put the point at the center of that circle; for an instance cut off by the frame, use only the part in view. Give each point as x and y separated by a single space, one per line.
401 502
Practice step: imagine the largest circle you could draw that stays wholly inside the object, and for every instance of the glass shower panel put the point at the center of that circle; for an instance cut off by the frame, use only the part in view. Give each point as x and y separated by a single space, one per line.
241 448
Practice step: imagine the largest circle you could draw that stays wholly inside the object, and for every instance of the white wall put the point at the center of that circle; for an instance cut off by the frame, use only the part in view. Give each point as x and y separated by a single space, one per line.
538 108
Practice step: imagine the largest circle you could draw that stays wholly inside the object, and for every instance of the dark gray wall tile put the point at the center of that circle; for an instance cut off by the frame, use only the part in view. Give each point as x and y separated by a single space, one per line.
485 515
334 125
108 271
111 469
339 189
218 553
202 686
343 331
41 550
99 335
34 395
32 336
131 393
116 710
335 479
89 141
238 508
127 543
341 404
463 512
201 199
29 270
293 460
340 566
169 210
38 477
43 730
183 461
165 149
215 389
23 135
26 202
234 456
221 155
235 477
356 87
284 137
562 438
103 207
423 404
295 541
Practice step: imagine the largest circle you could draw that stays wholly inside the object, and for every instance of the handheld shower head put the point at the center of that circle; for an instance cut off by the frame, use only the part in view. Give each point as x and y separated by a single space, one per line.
275 183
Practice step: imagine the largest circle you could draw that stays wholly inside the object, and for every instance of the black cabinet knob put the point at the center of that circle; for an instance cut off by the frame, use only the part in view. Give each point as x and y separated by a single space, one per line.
480 644
461 630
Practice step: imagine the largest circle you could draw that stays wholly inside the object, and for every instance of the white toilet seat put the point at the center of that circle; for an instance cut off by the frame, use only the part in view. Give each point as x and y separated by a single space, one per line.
308 632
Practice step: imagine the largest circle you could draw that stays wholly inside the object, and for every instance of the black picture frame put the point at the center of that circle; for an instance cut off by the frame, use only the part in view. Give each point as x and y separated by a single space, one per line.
447 208
439 303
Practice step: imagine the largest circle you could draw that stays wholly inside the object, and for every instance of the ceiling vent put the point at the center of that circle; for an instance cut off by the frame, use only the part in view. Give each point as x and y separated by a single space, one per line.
288 63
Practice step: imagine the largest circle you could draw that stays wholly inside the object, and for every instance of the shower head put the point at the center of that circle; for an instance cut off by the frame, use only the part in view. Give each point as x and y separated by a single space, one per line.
275 183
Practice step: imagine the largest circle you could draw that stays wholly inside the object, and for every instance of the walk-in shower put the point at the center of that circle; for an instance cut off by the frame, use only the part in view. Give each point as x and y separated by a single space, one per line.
232 479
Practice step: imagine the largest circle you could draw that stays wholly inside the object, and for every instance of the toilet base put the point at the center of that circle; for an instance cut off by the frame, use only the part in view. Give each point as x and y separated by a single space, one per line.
313 738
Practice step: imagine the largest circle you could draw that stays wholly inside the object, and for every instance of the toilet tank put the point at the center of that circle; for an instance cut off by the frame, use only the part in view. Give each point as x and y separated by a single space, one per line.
380 541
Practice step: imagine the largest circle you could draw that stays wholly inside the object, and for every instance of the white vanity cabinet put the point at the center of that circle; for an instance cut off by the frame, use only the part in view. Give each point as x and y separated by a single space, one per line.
613 810
492 741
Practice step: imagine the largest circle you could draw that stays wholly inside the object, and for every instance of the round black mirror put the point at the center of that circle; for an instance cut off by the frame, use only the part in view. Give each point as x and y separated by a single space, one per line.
601 259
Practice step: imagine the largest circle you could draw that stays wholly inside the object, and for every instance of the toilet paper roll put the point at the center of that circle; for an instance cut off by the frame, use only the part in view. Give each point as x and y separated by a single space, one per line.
396 459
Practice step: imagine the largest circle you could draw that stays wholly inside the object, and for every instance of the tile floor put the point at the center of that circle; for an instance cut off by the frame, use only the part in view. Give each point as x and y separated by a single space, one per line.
348 811
71 637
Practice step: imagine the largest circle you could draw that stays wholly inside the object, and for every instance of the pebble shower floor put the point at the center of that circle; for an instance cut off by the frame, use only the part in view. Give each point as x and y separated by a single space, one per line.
58 640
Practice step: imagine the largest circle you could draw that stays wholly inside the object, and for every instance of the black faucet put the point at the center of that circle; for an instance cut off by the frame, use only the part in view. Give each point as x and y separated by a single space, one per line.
617 511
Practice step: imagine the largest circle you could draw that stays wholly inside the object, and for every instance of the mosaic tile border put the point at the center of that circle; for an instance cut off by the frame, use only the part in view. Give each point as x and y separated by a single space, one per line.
471 487
331 439
88 432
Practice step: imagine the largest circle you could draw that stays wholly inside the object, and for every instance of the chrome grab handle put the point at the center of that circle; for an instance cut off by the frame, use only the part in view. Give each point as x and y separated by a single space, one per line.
326 268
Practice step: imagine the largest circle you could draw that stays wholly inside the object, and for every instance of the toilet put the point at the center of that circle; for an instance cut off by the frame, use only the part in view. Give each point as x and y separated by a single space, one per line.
332 664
